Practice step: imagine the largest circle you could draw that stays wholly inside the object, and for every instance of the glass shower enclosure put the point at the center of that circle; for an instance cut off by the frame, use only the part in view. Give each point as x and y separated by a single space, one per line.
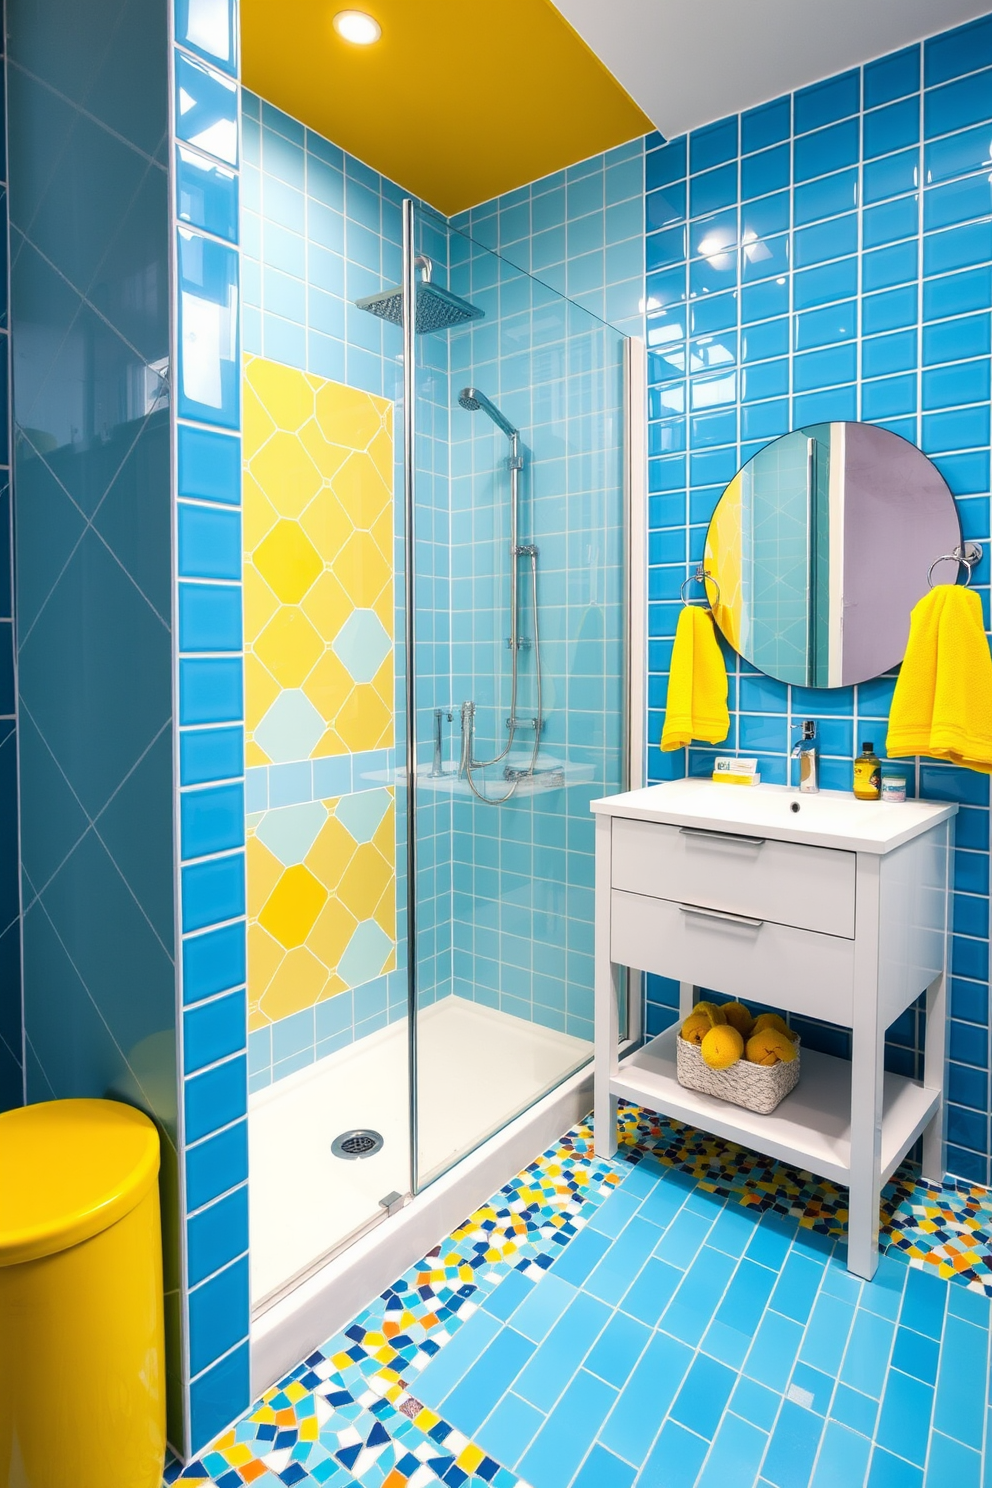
508 420
514 445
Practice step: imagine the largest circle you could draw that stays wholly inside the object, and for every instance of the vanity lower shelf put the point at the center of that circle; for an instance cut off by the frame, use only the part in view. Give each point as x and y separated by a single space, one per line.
810 1129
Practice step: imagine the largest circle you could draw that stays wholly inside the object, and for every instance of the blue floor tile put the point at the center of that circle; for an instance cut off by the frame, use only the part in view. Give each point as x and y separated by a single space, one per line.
797 1286
915 1354
690 1311
755 1403
624 1259
827 1333
904 1424
538 1313
951 1465
645 1399
676 1459
602 1470
868 1353
651 1291
889 1471
773 1351
617 1349
792 1449
974 1307
923 1303
511 1291
736 1454
771 1240
704 1394
480 1388
510 1429
683 1239
818 1386
733 1230
581 1255
843 1458
662 1204
456 1358
555 1453
617 1211
561 1353
961 1382
853 1409
883 1294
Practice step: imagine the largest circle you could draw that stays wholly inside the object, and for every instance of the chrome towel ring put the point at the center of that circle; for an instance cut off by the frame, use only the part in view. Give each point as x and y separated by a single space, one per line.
704 577
967 555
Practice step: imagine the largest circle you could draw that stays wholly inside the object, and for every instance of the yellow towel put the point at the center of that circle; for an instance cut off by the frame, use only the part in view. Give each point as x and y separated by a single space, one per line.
943 699
697 685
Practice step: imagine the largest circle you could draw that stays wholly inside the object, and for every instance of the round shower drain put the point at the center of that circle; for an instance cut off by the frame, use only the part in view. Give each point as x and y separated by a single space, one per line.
361 1142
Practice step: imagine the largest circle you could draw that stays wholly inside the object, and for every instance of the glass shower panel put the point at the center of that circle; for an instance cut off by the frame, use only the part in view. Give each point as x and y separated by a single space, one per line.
519 659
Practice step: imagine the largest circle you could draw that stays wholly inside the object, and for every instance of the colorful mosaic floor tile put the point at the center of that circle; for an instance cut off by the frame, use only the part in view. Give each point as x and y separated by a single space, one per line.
349 1413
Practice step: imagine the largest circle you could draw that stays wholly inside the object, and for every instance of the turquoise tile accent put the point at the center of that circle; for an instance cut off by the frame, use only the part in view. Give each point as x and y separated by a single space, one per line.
210 754
213 891
209 465
209 543
213 962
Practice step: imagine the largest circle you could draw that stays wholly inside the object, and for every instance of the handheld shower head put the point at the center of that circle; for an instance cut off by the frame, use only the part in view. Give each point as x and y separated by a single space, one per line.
472 399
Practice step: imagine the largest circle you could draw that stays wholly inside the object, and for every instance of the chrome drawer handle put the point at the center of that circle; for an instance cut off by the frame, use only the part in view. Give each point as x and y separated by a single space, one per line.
721 914
705 832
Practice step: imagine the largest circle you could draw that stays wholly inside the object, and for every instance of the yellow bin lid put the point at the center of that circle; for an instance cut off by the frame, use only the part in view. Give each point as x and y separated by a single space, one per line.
69 1169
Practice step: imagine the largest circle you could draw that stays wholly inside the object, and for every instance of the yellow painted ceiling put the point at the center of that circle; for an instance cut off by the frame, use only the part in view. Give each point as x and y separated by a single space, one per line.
457 102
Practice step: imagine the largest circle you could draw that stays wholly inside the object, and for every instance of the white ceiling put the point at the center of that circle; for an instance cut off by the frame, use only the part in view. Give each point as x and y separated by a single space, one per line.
688 62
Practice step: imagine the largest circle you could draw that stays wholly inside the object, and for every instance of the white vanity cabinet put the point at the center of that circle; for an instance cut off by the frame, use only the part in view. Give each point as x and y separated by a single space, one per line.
819 904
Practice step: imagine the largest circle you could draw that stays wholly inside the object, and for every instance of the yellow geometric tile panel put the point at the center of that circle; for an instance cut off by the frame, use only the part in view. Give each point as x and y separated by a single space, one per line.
321 901
318 566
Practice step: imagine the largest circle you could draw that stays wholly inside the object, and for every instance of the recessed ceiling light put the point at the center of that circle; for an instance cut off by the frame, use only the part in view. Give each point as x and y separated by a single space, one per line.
358 27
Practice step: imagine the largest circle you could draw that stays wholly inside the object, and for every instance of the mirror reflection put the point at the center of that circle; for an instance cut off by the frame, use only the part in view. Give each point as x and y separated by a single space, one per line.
819 548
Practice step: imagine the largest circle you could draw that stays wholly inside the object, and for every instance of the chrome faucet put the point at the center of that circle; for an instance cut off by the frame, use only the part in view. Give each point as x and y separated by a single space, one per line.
806 752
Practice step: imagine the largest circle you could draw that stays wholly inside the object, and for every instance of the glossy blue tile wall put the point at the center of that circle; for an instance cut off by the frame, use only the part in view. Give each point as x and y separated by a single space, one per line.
89 174
11 1022
829 256
212 1034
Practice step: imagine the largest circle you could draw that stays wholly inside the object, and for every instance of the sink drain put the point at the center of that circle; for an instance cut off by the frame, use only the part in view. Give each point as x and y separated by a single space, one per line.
361 1142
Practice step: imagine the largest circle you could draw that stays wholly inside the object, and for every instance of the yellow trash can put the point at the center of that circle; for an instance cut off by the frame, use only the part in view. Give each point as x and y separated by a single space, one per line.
82 1349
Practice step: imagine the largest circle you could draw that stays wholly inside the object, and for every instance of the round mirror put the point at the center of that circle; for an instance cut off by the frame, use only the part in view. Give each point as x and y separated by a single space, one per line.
820 547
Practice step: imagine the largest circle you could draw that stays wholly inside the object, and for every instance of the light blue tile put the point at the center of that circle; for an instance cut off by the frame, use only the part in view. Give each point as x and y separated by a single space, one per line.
456 1358
480 1389
542 1308
561 1444
510 1429
843 1457
904 1423
677 1457
738 1448
961 1382
951 1465
558 1357
645 1399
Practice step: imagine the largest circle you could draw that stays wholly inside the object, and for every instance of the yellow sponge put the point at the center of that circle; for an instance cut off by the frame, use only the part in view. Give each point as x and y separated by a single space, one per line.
703 1017
773 1020
738 1017
770 1045
721 1047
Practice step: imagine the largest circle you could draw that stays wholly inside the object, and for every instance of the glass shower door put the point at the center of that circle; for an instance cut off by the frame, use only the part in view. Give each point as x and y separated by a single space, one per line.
519 551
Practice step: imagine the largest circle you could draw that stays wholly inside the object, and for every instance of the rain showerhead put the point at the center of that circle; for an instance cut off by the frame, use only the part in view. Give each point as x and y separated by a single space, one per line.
472 399
437 308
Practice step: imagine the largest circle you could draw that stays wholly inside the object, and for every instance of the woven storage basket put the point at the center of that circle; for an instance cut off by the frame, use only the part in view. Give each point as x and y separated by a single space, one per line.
756 1087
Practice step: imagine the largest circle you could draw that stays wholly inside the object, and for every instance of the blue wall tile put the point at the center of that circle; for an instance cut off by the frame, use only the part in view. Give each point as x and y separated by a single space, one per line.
213 962
213 1031
213 891
210 754
209 465
215 1099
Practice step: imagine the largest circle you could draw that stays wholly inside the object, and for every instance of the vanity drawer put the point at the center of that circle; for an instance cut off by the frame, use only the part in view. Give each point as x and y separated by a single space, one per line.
788 882
800 970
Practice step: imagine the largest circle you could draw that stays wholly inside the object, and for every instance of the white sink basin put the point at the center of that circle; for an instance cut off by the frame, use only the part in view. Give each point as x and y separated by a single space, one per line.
827 819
